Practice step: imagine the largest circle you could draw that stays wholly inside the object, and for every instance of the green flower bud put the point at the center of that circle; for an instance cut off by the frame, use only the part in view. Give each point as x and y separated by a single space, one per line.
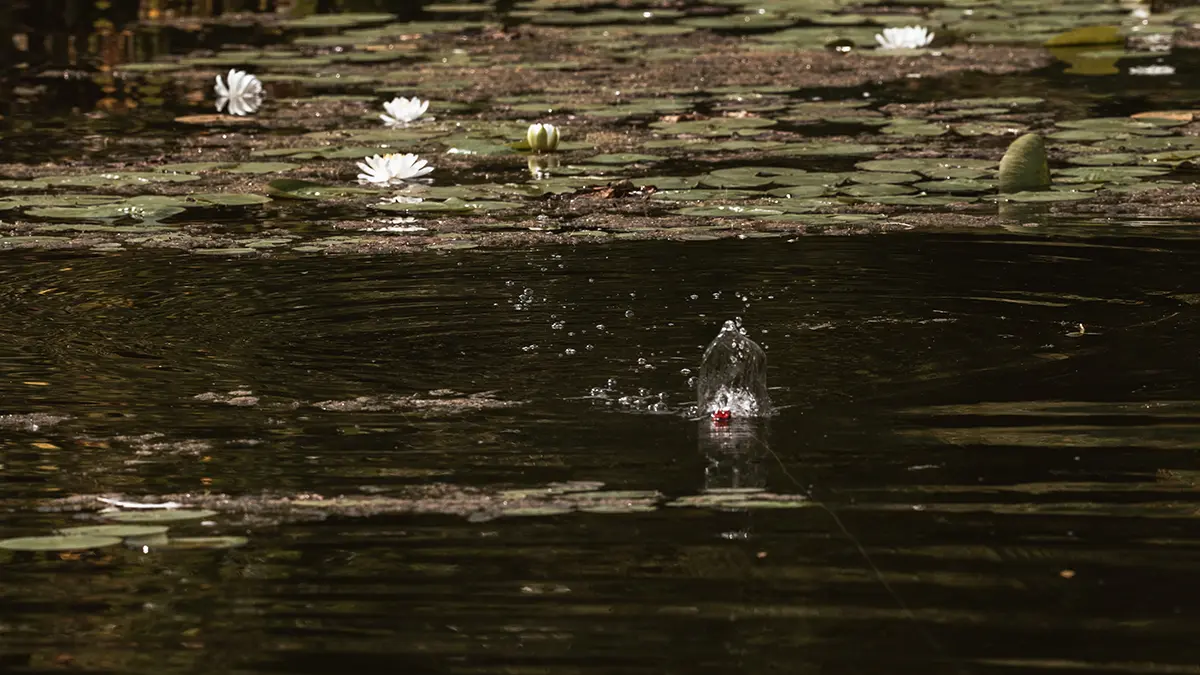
542 137
1024 165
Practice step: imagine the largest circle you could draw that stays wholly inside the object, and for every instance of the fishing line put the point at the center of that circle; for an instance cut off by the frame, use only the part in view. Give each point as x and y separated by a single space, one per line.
862 551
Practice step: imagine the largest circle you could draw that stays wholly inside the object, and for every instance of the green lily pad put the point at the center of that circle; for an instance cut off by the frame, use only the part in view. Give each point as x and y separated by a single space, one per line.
105 212
667 182
1105 174
59 543
114 530
879 190
624 158
700 195
475 146
449 205
993 101
261 167
302 189
207 543
193 167
883 177
117 179
150 67
830 149
915 128
1107 159
1047 196
717 126
958 186
340 20
728 211
59 200
988 129
231 199
924 200
800 191
925 166
160 515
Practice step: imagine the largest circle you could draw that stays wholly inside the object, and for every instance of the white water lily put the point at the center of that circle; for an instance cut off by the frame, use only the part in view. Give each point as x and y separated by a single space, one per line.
243 93
542 137
385 170
400 111
909 37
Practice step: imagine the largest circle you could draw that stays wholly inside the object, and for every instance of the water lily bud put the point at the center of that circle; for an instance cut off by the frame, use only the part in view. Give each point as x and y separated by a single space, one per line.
542 137
1024 165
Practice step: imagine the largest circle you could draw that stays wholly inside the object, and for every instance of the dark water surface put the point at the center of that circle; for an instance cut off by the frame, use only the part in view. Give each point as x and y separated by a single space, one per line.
1023 487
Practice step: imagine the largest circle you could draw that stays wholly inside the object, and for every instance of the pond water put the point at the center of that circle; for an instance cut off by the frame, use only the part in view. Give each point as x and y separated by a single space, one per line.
1023 488
466 440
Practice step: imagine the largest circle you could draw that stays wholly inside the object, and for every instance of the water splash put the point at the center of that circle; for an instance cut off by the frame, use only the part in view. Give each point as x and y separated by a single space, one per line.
733 376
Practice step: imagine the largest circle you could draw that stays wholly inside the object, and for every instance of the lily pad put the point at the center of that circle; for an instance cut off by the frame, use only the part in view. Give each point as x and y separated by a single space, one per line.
59 543
925 166
261 167
340 20
1046 196
114 530
830 149
208 543
231 199
160 515
700 195
717 126
117 179
728 211
624 158
302 189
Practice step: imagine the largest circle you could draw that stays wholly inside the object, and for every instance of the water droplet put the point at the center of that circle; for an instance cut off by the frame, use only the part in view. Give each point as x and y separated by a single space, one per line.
569 352
557 325
629 314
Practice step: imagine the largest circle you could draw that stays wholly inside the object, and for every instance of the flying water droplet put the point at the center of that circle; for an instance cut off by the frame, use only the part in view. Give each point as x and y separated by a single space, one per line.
733 375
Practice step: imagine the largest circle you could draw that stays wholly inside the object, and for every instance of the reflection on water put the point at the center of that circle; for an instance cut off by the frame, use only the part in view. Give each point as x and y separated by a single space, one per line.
1022 487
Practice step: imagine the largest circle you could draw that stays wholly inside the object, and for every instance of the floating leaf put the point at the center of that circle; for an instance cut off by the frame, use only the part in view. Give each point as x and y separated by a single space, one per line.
717 126
340 20
301 189
1046 196
1106 159
59 543
114 530
162 515
192 167
261 167
728 211
701 195
231 199
210 543
1087 35
624 158
960 186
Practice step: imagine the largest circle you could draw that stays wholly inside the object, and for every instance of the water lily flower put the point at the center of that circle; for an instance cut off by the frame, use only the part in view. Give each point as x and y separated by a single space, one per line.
400 111
909 37
243 92
392 169
542 137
